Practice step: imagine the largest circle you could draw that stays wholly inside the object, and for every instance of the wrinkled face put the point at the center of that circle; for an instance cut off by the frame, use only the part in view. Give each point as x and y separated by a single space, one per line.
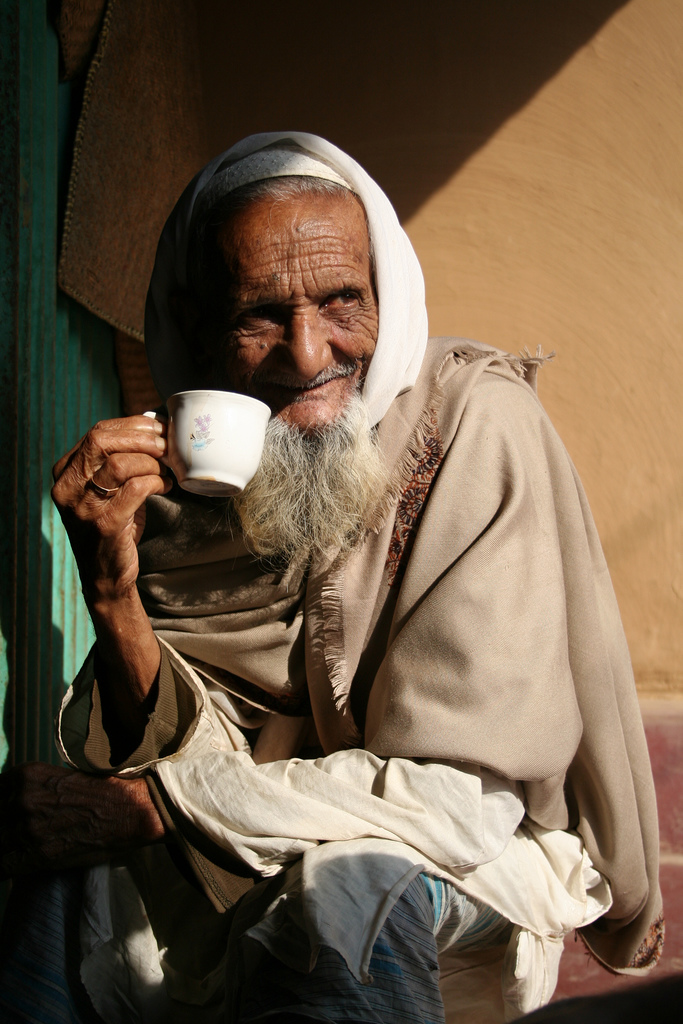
299 324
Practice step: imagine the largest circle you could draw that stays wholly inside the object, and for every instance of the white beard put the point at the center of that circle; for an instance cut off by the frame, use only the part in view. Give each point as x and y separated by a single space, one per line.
313 492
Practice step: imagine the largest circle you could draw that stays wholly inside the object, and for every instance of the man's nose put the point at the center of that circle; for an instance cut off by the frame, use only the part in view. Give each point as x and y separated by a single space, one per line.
307 345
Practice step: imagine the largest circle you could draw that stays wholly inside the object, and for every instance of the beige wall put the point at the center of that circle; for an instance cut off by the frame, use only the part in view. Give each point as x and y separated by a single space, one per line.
566 230
534 151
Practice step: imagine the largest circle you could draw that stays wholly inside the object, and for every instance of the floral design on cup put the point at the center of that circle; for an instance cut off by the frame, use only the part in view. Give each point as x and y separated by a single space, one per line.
199 417
200 437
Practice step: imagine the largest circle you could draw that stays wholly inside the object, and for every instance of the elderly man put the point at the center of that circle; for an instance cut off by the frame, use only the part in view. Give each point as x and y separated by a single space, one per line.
387 683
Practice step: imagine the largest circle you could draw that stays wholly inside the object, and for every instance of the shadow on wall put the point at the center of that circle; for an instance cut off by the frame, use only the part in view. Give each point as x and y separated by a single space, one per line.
410 92
410 95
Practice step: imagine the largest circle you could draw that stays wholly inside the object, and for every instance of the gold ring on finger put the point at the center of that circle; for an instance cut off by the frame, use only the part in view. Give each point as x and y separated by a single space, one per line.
104 492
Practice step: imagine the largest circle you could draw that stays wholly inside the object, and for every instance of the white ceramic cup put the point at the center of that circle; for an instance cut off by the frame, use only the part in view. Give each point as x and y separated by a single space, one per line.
215 440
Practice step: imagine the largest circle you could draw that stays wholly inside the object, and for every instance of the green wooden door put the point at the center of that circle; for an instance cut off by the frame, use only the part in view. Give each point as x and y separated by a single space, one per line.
57 377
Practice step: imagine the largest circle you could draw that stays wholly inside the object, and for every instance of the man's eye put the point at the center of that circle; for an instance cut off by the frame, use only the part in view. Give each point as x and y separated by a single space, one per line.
259 315
340 300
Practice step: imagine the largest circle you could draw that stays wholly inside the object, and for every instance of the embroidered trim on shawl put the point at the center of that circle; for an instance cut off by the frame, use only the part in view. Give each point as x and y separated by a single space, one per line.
645 957
411 505
650 949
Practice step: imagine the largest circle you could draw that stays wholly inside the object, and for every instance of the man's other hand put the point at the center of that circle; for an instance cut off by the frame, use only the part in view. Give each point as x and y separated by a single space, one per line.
53 818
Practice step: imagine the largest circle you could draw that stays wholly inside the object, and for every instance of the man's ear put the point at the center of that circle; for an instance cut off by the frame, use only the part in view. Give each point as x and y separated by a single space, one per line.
187 315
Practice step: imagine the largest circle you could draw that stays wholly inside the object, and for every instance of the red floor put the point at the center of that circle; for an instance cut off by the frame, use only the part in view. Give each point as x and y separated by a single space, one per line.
579 974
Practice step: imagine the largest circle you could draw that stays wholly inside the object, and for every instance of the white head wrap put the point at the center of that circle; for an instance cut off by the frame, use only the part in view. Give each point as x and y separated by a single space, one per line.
402 334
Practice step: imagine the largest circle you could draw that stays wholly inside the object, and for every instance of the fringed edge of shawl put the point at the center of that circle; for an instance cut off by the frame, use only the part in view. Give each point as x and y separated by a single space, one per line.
331 602
525 365
324 611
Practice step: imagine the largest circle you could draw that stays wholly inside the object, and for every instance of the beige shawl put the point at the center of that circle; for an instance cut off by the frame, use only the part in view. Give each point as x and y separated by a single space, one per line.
476 622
